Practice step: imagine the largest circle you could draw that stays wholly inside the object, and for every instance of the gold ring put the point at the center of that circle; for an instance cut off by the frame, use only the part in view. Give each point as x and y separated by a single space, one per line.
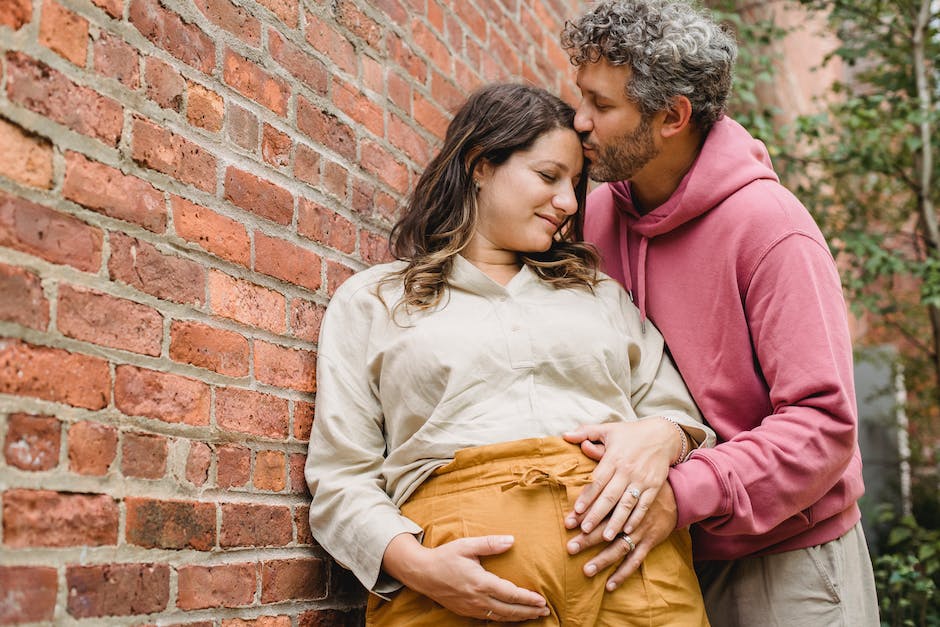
489 613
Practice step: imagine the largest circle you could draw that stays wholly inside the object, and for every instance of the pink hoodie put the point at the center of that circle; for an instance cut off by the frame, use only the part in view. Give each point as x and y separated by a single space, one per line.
737 276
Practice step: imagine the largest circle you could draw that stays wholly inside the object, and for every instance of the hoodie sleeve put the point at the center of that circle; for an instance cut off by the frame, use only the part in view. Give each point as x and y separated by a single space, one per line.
779 469
351 516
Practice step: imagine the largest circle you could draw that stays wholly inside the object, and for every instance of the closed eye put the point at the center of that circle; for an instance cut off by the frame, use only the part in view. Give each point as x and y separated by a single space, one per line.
550 178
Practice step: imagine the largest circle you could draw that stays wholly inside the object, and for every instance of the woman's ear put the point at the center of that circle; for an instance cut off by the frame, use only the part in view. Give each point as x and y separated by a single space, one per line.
678 117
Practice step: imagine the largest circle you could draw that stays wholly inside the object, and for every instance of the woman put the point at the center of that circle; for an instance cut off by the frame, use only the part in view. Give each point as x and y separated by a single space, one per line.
445 379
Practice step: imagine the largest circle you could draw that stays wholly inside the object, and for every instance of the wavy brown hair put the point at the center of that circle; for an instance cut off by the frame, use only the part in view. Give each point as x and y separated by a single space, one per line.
497 121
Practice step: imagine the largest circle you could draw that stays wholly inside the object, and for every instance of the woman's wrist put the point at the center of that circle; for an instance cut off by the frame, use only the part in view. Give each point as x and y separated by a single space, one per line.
402 557
683 444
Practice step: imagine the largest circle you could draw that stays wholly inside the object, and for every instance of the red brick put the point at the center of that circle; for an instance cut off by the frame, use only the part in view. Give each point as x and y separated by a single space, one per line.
109 321
242 127
402 56
323 37
117 589
373 75
156 524
393 9
46 518
92 448
198 344
307 165
293 580
358 23
302 524
408 140
399 92
303 420
32 442
246 524
359 107
335 179
245 411
143 455
275 146
117 59
64 32
165 84
50 93
114 8
106 190
285 367
163 396
198 462
159 149
246 302
270 471
226 585
259 196
325 128
29 594
213 232
28 370
385 166
429 116
167 30
336 275
305 319
53 236
232 18
304 66
205 108
26 158
251 81
286 261
373 248
261 621
332 618
298 484
141 265
285 10
22 299
16 13
233 466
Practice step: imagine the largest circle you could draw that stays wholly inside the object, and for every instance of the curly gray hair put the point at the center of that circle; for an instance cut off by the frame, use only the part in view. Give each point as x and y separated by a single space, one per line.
672 47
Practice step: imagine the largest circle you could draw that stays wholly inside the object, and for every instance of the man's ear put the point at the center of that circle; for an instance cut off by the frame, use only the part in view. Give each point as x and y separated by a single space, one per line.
678 117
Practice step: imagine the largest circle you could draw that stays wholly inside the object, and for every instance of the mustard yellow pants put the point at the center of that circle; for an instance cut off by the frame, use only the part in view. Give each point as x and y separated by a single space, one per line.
523 489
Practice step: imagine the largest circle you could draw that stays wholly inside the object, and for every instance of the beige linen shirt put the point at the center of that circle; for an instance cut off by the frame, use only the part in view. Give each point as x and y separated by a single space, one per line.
396 398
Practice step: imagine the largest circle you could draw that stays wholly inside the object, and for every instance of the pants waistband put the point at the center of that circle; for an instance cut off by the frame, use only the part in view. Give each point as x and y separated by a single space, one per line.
522 463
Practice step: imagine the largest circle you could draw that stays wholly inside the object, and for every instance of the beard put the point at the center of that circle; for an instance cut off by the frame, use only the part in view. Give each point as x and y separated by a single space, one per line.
626 155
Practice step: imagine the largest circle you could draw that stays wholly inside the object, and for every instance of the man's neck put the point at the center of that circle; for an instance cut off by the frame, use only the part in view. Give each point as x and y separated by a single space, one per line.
660 178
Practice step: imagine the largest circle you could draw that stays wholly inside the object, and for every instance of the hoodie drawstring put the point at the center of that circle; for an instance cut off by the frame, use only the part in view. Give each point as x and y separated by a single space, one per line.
640 299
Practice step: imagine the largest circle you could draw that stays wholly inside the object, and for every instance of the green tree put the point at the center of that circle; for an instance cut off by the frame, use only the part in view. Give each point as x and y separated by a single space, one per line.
870 178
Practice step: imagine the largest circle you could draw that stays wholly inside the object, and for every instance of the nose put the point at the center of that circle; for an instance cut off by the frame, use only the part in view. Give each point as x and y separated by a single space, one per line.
582 121
566 201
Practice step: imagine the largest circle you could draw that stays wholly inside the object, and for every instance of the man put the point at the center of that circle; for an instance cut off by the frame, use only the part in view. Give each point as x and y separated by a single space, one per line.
736 275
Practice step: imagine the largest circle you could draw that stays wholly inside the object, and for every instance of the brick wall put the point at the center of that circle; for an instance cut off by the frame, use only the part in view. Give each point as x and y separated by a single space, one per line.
183 185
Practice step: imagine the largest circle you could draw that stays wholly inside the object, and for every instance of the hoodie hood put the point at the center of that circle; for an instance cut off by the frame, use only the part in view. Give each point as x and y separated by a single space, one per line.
729 160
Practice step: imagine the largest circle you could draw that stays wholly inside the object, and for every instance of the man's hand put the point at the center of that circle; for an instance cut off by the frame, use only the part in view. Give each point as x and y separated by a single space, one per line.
659 522
634 459
452 575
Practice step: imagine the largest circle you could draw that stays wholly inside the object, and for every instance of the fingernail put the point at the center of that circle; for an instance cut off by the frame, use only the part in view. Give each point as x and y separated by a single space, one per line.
546 611
608 534
573 547
611 586
571 522
579 507
505 539
586 527
590 569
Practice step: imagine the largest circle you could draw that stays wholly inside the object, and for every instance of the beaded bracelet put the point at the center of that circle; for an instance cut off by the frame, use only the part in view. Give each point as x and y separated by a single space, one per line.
684 450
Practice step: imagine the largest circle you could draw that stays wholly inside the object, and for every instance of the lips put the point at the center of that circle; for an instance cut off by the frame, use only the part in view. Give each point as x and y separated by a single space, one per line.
555 222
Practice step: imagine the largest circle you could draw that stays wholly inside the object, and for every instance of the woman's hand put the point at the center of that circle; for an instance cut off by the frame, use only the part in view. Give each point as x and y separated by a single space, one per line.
452 575
634 459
